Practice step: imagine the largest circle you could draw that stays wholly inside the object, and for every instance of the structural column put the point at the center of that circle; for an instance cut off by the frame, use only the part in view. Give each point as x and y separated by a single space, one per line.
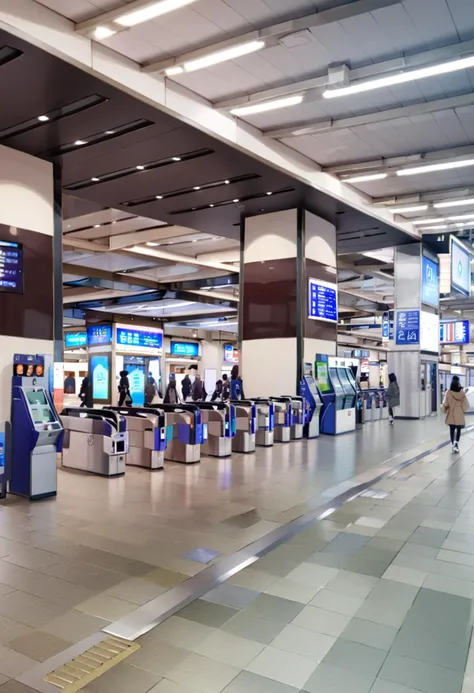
281 252
26 218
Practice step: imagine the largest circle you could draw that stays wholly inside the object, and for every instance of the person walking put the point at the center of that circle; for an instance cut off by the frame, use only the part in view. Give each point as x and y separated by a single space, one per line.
198 393
236 385
186 387
150 390
392 395
85 392
171 394
454 405
124 390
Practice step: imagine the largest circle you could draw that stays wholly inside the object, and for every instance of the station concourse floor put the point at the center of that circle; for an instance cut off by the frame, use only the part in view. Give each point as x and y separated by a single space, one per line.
376 598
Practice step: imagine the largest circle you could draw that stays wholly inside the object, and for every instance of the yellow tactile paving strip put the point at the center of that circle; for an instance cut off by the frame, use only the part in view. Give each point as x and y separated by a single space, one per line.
80 671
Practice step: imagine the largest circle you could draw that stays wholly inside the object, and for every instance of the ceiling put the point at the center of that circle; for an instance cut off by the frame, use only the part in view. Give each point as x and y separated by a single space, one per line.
427 120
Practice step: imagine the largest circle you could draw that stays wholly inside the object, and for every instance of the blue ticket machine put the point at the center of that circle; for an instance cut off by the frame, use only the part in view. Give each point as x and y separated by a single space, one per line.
312 404
339 398
36 430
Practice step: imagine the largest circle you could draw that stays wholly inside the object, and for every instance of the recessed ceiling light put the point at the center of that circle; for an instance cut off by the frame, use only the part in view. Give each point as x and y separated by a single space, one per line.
197 187
152 244
175 70
227 182
110 132
211 205
159 197
269 193
265 106
224 55
234 200
96 226
78 142
140 168
103 32
43 118
406 210
96 180
367 177
176 158
432 168
154 9
195 240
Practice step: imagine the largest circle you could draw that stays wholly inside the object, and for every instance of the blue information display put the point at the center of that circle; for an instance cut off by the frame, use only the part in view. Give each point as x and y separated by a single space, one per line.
430 282
322 301
100 377
408 327
386 326
2 452
99 335
11 267
185 349
74 340
454 332
136 378
139 338
460 268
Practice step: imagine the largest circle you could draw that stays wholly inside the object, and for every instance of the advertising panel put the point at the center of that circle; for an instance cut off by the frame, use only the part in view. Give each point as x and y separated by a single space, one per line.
190 349
454 332
231 354
460 268
100 377
429 282
99 335
75 340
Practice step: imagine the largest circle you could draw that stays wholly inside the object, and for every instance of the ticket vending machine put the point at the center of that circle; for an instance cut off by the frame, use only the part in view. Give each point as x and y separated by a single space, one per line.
339 397
36 430
313 403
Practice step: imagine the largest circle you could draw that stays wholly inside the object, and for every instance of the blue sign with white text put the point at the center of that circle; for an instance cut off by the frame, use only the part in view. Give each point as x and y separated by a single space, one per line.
408 327
74 340
386 326
139 338
99 335
322 301
100 377
430 282
184 349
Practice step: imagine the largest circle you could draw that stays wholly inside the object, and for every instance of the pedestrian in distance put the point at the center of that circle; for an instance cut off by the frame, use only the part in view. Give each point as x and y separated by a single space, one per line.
454 405
392 395
186 387
124 390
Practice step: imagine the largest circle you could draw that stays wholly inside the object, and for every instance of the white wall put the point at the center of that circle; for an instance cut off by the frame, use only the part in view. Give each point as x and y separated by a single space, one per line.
26 201
279 374
270 236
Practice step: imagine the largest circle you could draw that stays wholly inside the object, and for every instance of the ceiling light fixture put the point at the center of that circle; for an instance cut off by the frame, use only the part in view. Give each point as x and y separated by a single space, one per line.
461 217
234 200
154 9
43 118
96 180
103 32
79 142
97 226
365 177
196 187
267 106
110 132
140 168
442 227
176 158
407 210
211 205
152 244
173 71
401 78
432 168
227 182
454 203
224 55
159 197
433 220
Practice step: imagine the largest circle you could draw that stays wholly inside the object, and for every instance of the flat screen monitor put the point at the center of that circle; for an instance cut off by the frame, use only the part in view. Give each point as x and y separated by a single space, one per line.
43 415
11 267
36 397
460 268
336 383
343 377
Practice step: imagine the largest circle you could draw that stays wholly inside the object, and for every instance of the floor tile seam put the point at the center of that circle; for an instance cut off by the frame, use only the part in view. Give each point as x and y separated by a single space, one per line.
293 528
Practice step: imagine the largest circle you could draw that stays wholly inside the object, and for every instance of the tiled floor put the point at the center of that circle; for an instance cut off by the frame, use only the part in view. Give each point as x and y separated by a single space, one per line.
314 614
375 599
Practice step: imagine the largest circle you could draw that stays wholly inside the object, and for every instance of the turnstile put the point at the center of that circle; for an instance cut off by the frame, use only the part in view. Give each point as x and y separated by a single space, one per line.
265 422
245 425
146 436
283 416
185 432
298 412
220 420
95 440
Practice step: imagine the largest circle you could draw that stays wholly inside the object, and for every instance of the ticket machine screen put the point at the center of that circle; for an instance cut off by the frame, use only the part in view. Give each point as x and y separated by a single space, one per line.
36 397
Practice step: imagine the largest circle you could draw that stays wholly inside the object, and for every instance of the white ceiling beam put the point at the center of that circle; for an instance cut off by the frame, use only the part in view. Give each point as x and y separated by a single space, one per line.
155 234
182 259
220 296
320 82
270 34
424 197
323 126
89 246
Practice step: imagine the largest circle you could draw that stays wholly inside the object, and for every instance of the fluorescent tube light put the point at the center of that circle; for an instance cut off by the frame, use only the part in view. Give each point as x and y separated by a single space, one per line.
434 228
154 9
224 55
407 210
433 220
268 105
43 118
103 32
401 78
454 203
176 70
461 217
365 177
432 168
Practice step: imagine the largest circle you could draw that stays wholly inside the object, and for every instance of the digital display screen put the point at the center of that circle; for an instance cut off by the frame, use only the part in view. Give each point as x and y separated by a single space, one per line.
430 282
408 327
11 267
99 335
139 338
344 380
322 301
336 383
37 397
43 415
184 349
460 268
231 354
454 332
74 340
136 378
100 377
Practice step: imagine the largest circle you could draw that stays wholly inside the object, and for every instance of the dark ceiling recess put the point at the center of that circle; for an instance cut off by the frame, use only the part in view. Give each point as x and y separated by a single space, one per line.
104 172
43 119
90 140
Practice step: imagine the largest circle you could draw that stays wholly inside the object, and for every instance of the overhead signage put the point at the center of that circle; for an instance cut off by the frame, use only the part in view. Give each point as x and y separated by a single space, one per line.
99 335
454 332
100 377
190 349
75 340
322 301
460 268
11 267
231 354
430 282
139 339
407 328
386 327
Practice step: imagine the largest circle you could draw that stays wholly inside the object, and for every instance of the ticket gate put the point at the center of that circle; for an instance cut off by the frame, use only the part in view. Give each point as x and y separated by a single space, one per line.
283 419
298 411
219 417
95 440
185 432
245 424
146 436
265 422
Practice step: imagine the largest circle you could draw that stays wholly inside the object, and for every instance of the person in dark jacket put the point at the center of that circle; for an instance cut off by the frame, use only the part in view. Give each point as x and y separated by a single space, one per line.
236 385
217 394
150 390
171 394
225 387
392 394
186 387
198 393
124 390
85 394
